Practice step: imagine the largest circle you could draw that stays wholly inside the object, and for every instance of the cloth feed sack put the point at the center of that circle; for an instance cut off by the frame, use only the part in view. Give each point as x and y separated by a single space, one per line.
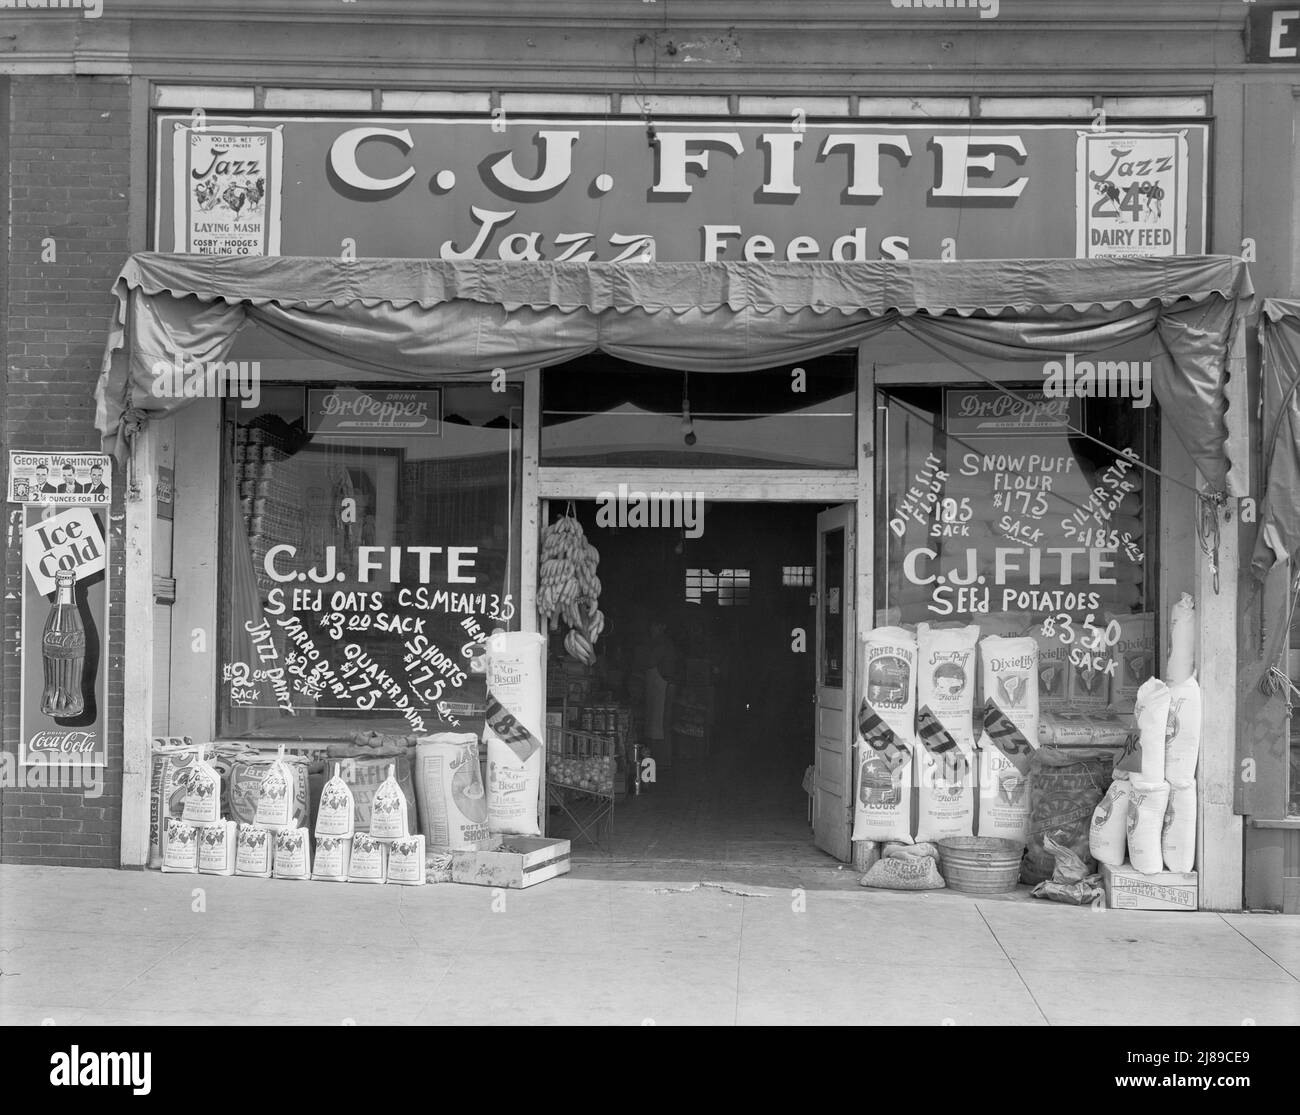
406 861
449 789
945 678
1108 833
369 863
1146 821
1010 676
275 795
1135 657
169 775
945 776
388 810
334 814
1178 836
1182 641
247 773
202 793
180 846
905 867
513 728
292 854
365 773
1144 757
217 847
254 851
1183 733
886 730
1064 789
333 855
1004 759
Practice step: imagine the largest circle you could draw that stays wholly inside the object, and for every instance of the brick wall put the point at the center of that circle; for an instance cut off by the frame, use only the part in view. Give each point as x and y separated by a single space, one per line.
66 162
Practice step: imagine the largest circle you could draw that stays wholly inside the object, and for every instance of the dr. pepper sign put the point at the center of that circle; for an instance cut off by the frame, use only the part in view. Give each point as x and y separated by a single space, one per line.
582 190
62 718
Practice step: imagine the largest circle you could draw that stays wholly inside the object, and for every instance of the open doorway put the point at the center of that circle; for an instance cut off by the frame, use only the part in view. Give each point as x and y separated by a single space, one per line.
725 612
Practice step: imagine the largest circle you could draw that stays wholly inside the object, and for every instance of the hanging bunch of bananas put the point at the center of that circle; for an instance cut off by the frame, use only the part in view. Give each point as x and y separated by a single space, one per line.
568 587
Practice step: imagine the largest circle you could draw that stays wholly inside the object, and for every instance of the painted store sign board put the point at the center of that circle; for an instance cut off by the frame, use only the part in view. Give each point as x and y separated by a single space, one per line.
580 190
1273 33
374 413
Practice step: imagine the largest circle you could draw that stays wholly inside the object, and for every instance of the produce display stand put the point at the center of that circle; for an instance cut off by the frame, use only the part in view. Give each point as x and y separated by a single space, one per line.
590 808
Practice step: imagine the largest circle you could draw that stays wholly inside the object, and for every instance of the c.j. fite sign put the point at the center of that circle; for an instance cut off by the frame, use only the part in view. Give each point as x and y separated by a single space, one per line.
606 190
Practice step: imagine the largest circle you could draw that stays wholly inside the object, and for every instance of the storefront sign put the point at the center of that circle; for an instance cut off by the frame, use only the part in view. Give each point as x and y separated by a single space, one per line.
1132 194
993 413
64 639
226 188
604 190
349 410
1273 33
60 478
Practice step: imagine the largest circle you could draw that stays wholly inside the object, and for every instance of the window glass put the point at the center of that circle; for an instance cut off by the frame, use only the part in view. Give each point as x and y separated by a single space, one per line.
369 538
601 411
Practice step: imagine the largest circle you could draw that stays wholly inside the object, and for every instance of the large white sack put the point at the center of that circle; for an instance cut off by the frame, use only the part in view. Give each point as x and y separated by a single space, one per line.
513 730
1135 657
945 677
1146 820
1053 670
883 801
1004 757
1178 838
449 790
1182 640
1108 834
1144 758
945 799
890 682
1010 672
1183 732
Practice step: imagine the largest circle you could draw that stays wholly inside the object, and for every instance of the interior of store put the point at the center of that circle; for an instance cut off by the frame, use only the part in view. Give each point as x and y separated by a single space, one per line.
725 610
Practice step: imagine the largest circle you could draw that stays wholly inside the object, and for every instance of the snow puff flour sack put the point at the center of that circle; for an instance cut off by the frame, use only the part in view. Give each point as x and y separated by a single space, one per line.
334 815
369 862
202 793
1004 758
945 803
406 861
1146 821
890 657
1183 733
1108 833
1178 834
333 855
513 727
254 851
1010 672
1144 758
292 854
275 796
217 846
388 810
945 677
449 789
180 847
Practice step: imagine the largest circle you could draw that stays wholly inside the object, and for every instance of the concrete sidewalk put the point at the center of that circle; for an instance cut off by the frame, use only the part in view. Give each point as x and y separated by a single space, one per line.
117 947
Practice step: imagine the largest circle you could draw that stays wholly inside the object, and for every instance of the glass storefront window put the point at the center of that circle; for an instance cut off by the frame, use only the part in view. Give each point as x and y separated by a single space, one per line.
1005 515
601 411
369 538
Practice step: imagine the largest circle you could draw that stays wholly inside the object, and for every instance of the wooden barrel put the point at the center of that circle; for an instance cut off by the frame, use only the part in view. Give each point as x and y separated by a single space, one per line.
980 864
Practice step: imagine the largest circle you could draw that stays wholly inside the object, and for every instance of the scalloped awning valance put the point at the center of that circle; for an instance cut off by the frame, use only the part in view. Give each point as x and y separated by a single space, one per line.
401 317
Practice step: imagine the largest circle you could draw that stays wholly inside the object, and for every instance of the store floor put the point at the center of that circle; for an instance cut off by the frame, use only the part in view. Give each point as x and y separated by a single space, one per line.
84 947
737 814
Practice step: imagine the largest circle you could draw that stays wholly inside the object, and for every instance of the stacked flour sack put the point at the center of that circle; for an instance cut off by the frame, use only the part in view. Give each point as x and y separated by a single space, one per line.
200 839
1147 819
390 852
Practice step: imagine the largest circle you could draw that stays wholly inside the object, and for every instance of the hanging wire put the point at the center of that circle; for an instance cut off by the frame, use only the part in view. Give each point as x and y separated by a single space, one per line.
1275 680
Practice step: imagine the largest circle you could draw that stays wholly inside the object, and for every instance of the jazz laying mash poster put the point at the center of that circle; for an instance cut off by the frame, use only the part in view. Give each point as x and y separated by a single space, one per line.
60 478
61 714
227 181
1132 194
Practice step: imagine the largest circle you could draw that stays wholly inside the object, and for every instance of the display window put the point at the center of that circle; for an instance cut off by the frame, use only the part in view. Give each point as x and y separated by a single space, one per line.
369 545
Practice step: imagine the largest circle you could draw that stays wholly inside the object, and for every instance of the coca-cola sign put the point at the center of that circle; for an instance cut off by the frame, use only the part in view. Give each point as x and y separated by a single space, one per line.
62 743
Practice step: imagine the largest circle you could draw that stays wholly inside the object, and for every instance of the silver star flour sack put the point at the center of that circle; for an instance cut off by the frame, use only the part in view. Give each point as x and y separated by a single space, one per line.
890 657
945 677
1010 673
886 725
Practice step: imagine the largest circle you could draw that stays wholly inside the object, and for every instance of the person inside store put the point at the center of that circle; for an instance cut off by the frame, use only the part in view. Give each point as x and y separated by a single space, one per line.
657 655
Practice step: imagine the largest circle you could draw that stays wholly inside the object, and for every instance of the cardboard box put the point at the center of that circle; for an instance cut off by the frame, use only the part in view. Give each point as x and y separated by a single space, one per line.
529 860
1128 889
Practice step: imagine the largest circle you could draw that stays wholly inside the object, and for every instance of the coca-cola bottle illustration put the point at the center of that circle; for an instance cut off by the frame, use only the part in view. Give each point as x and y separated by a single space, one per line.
63 652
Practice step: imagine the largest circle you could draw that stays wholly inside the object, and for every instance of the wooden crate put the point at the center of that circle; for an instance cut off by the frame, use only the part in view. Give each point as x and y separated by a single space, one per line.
532 859
1129 889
